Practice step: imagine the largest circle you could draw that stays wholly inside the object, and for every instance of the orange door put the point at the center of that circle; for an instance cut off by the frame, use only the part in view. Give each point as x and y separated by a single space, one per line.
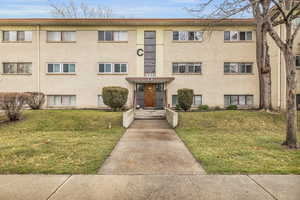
149 95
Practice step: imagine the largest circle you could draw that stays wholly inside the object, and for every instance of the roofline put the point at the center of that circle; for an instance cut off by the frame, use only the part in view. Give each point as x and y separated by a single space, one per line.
127 22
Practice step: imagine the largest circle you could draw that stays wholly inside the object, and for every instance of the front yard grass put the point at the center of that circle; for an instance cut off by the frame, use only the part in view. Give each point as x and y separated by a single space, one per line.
239 142
58 141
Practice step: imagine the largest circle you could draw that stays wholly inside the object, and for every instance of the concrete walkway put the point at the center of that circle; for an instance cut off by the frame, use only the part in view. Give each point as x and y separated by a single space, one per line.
150 147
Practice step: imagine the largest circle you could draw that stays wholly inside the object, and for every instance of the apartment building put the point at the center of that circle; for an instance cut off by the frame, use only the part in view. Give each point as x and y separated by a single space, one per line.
71 60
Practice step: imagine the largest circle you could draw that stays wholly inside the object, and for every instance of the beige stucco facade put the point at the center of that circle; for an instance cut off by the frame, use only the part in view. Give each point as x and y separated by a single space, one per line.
86 52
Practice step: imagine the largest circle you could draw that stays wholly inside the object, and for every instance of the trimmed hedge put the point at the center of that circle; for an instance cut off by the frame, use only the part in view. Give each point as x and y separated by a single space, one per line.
203 107
232 107
115 97
185 98
12 103
35 100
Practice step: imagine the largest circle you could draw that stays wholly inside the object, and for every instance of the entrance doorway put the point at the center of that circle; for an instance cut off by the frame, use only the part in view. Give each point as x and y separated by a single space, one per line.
149 95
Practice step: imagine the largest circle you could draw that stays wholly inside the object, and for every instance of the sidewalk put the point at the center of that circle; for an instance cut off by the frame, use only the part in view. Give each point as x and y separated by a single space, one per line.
152 187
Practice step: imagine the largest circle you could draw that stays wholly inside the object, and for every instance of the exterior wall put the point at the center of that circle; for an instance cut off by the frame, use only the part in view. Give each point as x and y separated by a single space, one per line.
86 52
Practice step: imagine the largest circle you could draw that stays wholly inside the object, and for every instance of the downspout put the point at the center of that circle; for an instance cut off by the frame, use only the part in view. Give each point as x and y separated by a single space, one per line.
280 70
38 59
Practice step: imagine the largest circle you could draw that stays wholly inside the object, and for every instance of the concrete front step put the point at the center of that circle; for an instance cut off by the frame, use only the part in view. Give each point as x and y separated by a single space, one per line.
150 114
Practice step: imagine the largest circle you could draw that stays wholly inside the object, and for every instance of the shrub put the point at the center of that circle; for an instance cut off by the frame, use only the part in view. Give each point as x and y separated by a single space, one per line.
12 103
115 97
177 107
217 108
203 107
185 98
231 107
35 100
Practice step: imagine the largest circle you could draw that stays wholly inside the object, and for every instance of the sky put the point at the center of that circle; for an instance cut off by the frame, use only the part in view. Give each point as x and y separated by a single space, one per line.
121 8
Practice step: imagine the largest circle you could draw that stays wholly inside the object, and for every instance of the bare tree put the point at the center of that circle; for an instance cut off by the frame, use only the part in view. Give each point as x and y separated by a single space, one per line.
228 8
78 10
288 10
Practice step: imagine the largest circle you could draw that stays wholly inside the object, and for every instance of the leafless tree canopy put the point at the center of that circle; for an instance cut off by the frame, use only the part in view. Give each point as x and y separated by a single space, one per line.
73 9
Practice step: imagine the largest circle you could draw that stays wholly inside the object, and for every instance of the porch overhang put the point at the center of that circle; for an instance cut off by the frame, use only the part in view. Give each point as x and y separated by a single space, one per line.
150 79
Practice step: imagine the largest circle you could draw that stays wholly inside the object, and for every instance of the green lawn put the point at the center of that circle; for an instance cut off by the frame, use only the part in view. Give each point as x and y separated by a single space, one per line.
239 142
58 141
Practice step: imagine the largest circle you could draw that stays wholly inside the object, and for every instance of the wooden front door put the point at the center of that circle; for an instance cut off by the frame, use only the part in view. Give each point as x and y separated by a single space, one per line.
149 95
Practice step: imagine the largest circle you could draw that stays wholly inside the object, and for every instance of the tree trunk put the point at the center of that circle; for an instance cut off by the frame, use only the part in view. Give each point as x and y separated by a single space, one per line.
291 85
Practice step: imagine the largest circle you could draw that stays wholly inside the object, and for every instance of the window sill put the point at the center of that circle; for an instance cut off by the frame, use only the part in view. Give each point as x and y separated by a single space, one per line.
112 73
187 73
187 41
239 41
61 74
238 73
112 41
17 74
67 42
16 41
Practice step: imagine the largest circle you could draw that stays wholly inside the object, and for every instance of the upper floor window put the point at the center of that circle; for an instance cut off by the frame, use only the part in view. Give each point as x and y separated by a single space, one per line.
188 35
17 68
61 68
239 68
240 100
297 61
17 36
112 68
113 35
61 36
237 35
187 68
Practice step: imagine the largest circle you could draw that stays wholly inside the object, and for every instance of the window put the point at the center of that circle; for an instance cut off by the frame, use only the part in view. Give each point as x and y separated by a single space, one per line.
188 35
61 100
113 35
64 68
240 68
237 35
61 36
194 68
17 36
197 100
241 100
100 101
17 68
297 61
117 68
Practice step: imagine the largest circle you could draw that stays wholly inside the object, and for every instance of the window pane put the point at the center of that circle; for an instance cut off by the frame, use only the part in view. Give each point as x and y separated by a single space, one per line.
234 100
28 36
123 68
21 68
248 68
249 35
191 68
117 68
56 68
183 35
174 100
66 100
175 68
182 68
123 36
116 36
57 100
6 35
65 67
10 68
101 68
107 67
54 36
234 67
191 35
108 35
101 35
21 35
242 100
100 101
242 35
242 68
198 68
234 35
175 35
226 35
226 100
249 100
297 61
72 100
198 36
50 68
71 67
197 100
50 100
68 36
227 67
12 35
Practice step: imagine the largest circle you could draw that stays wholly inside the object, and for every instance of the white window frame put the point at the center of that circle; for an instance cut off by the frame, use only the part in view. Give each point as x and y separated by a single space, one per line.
238 99
27 36
297 56
100 103
112 68
62 40
238 67
72 102
186 66
17 66
61 68
238 36
186 35
116 36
